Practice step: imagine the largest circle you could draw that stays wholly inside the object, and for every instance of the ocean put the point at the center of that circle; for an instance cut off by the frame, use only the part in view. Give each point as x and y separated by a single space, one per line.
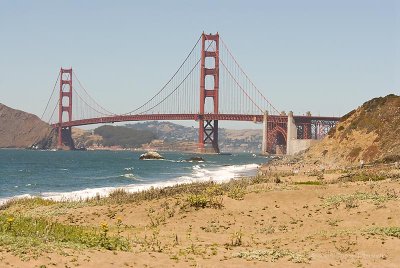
75 175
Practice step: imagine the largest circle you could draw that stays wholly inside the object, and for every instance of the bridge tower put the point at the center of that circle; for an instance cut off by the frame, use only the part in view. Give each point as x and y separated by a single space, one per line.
208 129
64 133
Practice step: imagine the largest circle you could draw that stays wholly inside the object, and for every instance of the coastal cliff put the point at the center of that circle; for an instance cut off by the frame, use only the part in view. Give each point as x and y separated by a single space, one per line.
19 129
367 134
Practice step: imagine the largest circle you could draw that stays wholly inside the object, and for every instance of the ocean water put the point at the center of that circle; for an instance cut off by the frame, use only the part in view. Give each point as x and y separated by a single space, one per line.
74 175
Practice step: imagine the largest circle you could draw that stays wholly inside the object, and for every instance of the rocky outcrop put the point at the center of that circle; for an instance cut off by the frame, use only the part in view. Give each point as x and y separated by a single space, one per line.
19 129
151 156
196 159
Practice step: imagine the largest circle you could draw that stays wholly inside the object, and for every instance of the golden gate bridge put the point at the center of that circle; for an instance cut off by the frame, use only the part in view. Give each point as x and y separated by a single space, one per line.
209 86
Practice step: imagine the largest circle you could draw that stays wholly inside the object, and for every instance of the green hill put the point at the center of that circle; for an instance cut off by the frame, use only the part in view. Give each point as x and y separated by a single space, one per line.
123 136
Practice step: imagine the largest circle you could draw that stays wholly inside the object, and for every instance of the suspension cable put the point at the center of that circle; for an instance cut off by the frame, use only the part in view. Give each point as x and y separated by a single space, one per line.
234 79
79 82
58 102
94 109
226 47
48 102
176 88
166 84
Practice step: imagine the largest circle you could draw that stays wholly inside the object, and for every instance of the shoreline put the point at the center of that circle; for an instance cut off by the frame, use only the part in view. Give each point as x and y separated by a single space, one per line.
222 174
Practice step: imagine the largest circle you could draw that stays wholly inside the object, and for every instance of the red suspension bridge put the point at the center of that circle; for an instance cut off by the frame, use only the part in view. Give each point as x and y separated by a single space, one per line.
209 86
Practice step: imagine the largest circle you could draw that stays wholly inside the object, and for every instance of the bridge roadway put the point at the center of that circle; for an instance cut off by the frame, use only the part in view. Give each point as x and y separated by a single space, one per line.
169 117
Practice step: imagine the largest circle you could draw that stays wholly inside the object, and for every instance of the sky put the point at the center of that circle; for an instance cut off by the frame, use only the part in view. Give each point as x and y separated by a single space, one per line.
327 57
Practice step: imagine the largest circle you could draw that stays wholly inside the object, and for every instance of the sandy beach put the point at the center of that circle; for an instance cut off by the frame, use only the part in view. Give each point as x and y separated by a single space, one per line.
290 216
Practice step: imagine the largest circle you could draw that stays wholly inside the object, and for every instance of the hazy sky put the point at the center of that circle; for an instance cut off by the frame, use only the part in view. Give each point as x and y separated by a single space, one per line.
326 57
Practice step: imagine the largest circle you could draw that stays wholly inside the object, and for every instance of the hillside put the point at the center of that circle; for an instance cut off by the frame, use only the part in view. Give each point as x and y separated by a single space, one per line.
241 140
123 136
84 139
19 129
370 133
167 131
229 139
163 136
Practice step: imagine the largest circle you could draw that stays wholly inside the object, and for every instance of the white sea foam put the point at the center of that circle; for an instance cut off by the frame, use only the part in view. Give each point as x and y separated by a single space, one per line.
199 174
188 161
129 176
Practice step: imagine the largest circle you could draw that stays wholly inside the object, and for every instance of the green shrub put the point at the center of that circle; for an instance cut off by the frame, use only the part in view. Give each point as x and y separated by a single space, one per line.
27 202
40 230
389 231
237 192
198 200
308 183
211 197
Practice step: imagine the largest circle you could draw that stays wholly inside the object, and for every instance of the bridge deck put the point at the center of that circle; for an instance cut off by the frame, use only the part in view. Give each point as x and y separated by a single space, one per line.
196 117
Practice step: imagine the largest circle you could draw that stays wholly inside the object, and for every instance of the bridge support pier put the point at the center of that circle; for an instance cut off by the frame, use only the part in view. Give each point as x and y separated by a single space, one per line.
294 144
291 133
264 146
66 139
208 129
208 134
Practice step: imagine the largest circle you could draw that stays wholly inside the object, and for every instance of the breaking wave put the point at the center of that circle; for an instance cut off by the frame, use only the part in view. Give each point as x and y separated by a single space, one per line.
199 173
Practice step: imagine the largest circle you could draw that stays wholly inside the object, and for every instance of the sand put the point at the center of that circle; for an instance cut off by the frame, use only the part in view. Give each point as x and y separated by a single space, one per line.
275 224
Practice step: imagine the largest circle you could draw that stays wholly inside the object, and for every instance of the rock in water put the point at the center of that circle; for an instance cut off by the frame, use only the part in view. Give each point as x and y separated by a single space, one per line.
196 159
150 155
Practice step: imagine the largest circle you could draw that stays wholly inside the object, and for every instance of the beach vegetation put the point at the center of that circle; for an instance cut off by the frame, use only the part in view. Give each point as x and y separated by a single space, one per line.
236 238
308 183
210 197
344 241
350 200
199 191
29 237
156 218
153 243
198 200
121 196
28 203
333 222
273 255
364 176
387 231
237 192
267 230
